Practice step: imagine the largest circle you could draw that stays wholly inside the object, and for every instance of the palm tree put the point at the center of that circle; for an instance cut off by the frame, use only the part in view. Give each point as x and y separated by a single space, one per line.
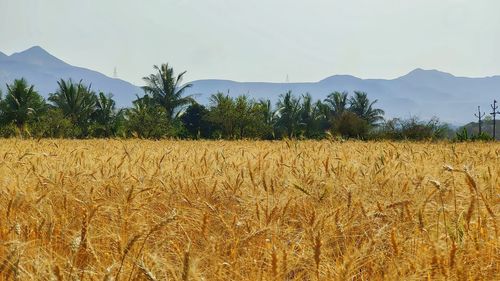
105 115
223 114
268 115
21 104
288 111
337 102
166 90
76 101
307 115
362 107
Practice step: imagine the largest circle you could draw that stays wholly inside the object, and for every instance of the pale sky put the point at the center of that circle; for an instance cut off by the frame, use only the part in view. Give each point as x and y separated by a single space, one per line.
260 40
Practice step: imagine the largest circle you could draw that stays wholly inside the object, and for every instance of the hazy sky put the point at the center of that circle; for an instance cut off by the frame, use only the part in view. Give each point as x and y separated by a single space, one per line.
260 40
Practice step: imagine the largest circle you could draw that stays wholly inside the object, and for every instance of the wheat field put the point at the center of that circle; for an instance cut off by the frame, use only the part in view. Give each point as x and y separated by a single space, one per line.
248 210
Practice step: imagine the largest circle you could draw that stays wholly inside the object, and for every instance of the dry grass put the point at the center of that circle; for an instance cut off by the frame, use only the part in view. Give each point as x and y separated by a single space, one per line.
179 210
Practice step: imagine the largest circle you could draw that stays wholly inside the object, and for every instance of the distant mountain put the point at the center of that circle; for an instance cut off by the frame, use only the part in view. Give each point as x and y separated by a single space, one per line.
423 93
44 70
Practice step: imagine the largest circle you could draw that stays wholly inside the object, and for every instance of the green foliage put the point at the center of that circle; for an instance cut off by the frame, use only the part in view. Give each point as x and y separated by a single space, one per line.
350 125
288 115
107 121
22 105
411 129
463 135
166 90
146 119
195 121
483 136
9 130
54 124
336 103
222 115
77 102
360 105
265 119
75 111
238 118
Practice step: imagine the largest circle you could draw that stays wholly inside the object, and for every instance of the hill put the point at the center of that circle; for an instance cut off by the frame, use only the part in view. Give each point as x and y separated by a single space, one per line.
44 70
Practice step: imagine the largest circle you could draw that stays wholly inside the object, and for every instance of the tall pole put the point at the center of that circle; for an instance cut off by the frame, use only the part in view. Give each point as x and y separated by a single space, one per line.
480 116
494 112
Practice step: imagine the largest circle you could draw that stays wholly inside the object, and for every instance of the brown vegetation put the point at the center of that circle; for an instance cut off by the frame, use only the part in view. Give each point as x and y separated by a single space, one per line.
246 210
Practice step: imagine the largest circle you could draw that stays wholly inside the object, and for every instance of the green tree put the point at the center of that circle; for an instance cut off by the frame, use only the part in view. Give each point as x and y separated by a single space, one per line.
22 105
54 124
412 129
146 119
166 90
106 119
361 106
77 102
288 112
267 119
337 103
246 114
195 120
311 117
222 114
350 125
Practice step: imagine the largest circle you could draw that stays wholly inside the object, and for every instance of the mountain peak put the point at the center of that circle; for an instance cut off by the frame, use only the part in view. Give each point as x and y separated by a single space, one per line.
420 73
36 55
35 50
342 77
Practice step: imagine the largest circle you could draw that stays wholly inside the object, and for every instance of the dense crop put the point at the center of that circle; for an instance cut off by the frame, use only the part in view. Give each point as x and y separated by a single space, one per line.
216 210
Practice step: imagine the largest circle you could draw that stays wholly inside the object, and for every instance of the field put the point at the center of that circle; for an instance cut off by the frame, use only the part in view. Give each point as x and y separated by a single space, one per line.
218 210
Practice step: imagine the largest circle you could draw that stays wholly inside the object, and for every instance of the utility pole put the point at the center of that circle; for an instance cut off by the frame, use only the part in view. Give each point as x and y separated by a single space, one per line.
480 116
494 112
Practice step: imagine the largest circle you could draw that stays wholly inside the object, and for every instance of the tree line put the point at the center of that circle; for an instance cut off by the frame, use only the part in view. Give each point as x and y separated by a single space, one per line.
74 110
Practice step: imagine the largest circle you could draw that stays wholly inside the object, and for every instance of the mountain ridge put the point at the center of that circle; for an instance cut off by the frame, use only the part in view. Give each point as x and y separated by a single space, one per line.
420 92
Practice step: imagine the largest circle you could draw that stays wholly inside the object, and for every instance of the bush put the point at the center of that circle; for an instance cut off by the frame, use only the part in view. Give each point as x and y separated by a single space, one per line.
463 135
411 129
54 124
350 125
